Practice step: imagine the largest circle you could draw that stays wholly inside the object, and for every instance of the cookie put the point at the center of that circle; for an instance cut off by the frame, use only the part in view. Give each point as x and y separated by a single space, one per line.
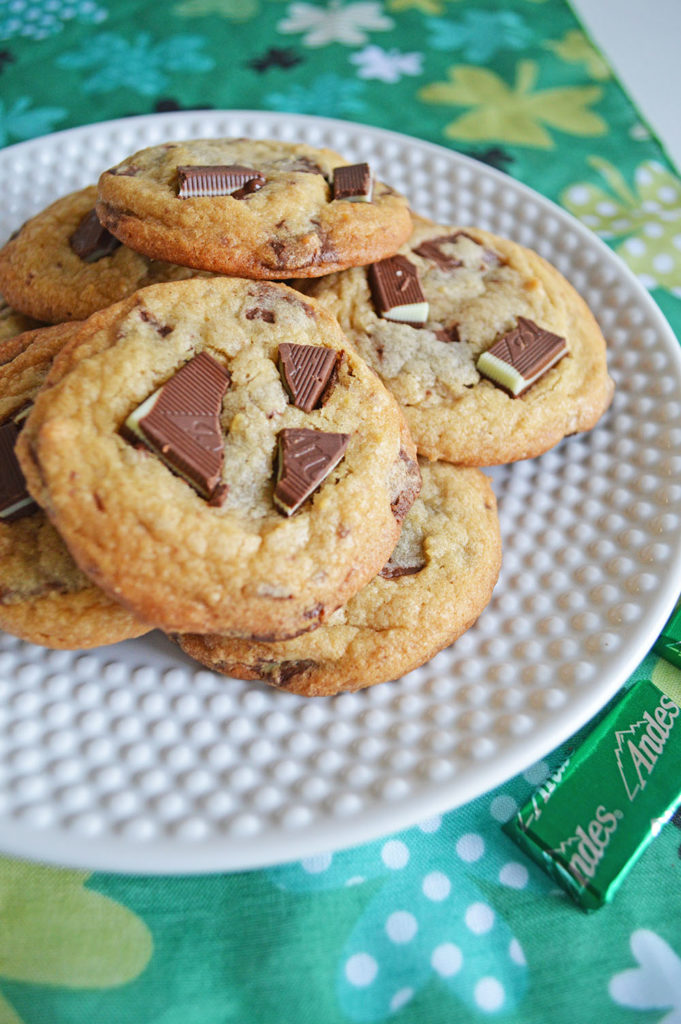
63 265
463 291
12 322
184 545
434 586
260 209
44 596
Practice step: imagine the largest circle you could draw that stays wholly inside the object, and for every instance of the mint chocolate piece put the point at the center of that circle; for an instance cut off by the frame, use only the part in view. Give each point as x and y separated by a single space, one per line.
353 183
180 422
91 241
199 181
521 356
306 457
396 291
306 370
15 501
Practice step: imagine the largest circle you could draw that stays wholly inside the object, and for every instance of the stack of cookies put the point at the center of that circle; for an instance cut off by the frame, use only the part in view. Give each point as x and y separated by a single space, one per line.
284 477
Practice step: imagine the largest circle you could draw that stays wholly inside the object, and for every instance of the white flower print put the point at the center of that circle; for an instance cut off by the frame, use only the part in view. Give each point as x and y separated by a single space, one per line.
335 23
386 65
656 983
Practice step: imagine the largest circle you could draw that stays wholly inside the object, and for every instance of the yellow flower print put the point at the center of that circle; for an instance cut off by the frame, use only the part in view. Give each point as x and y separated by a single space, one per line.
233 10
575 48
514 114
646 217
425 6
57 932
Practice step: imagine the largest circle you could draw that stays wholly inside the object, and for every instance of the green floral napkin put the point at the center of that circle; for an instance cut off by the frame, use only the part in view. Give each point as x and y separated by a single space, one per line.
445 921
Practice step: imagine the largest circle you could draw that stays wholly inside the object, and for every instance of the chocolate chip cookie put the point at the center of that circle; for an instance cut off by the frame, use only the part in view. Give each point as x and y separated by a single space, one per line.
260 209
63 265
12 322
434 586
44 596
208 470
491 353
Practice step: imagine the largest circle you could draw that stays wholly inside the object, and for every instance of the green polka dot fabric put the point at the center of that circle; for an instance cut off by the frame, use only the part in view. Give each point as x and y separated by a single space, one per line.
447 921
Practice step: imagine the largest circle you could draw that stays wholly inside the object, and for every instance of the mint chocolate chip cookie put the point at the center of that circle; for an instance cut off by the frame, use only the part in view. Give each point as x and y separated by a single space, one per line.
260 209
13 323
44 597
64 265
200 484
491 353
435 584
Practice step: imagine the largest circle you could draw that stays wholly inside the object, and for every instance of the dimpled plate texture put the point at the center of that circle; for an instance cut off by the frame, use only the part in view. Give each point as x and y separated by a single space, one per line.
134 758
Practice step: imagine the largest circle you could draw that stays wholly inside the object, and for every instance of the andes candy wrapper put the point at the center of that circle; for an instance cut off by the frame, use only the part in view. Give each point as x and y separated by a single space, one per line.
591 820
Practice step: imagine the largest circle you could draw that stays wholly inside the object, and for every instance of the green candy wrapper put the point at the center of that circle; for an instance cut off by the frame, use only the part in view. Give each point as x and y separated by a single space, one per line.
590 821
668 644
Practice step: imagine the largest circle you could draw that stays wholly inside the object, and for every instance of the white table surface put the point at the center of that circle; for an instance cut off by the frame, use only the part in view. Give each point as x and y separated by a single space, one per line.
642 41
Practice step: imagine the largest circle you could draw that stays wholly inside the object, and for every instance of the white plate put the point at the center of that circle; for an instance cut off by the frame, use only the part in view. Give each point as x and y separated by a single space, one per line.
133 758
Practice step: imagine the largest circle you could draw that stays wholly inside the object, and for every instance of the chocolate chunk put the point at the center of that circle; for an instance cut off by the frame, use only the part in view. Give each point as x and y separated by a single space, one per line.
15 501
149 318
288 670
125 170
280 673
91 241
352 182
448 334
217 180
393 571
411 487
219 495
306 457
258 313
315 612
521 356
306 370
433 249
396 291
251 186
304 165
180 422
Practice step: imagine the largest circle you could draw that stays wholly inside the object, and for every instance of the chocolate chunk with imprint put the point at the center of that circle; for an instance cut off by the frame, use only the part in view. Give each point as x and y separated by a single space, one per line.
288 228
180 422
306 457
353 183
417 604
523 355
91 241
396 291
44 597
306 371
198 182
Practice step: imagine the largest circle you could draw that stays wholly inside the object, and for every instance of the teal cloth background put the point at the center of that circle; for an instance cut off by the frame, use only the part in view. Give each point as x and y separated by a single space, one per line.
445 921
